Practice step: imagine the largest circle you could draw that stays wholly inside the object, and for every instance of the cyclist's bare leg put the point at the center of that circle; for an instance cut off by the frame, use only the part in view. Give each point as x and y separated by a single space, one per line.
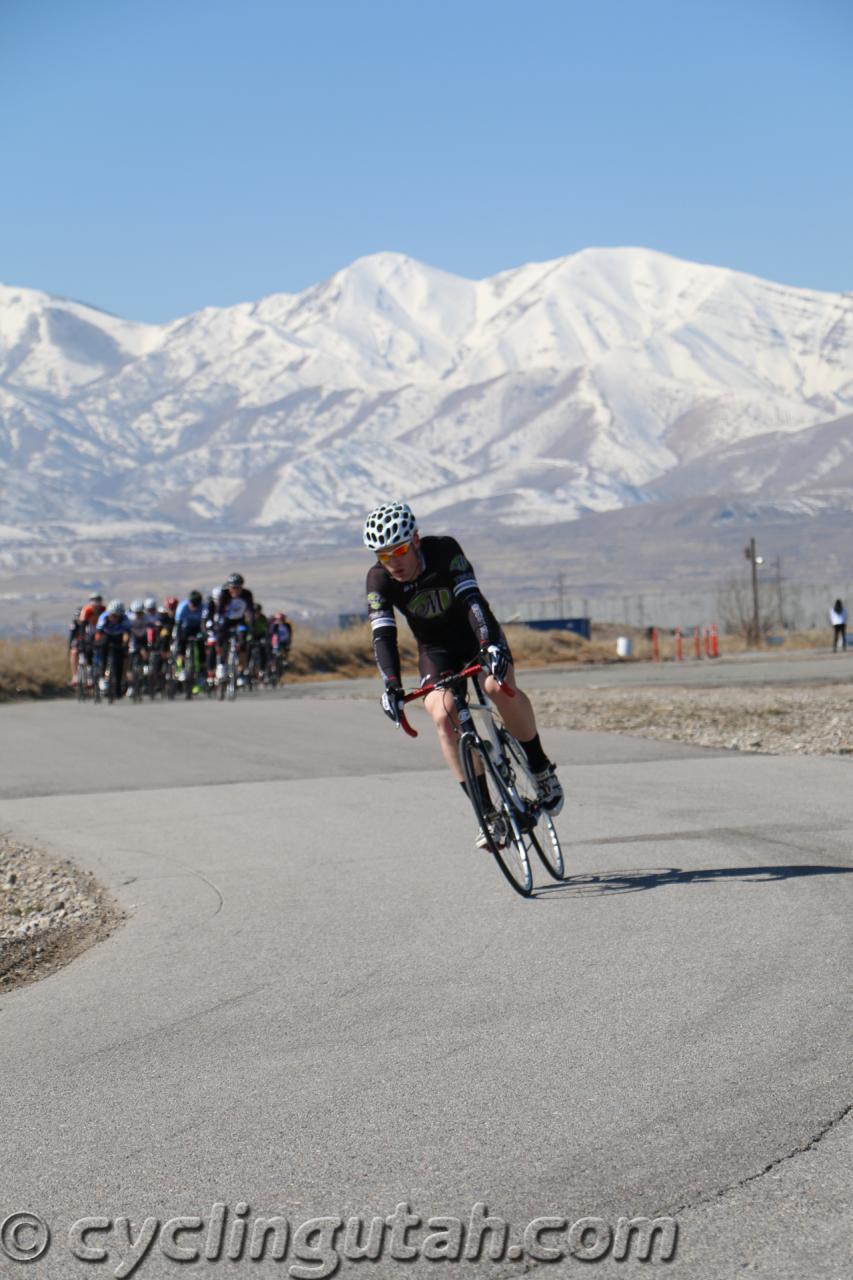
517 714
515 711
440 706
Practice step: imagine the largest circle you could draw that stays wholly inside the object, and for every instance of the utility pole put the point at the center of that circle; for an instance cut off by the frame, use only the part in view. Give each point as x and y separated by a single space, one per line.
779 592
755 561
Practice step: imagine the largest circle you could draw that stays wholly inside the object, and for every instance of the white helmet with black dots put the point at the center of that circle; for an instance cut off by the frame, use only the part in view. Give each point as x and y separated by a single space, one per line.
389 525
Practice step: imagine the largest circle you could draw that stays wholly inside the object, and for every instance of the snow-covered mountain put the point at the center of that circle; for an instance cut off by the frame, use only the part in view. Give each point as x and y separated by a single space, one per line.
590 383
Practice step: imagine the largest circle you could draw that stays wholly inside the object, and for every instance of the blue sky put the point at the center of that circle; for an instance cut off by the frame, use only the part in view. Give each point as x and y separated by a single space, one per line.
163 155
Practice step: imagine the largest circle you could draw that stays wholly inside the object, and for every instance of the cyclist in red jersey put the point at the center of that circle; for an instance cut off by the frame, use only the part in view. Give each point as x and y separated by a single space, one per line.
431 582
82 631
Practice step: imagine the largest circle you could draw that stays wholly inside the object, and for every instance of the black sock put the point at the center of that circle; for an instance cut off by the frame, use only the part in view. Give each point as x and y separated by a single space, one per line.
536 757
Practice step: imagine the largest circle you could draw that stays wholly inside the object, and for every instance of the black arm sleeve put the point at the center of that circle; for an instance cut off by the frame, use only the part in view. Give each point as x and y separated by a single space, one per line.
383 624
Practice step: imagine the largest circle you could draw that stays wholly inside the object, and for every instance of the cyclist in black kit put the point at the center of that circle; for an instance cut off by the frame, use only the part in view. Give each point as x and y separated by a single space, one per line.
430 581
236 613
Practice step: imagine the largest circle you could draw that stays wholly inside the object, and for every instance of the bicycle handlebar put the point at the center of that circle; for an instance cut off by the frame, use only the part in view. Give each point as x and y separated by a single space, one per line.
444 683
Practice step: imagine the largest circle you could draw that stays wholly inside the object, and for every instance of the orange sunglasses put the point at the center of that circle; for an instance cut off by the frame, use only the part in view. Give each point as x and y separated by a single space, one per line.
394 553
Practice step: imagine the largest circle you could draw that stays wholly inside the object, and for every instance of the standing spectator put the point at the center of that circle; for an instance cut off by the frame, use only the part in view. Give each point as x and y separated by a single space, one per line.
838 618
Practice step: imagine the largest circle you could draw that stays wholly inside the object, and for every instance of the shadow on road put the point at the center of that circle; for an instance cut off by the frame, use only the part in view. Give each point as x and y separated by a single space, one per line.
660 877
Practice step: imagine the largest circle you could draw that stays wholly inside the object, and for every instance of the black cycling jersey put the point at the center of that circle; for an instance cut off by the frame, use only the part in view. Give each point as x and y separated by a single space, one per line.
236 609
443 606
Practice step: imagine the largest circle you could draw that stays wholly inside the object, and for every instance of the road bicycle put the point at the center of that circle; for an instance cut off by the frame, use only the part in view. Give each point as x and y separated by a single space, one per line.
169 682
277 665
208 669
161 671
87 684
228 682
192 669
499 783
254 672
108 670
138 675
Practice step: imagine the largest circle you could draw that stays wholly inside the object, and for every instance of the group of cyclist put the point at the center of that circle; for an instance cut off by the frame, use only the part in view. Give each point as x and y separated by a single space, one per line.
109 636
428 580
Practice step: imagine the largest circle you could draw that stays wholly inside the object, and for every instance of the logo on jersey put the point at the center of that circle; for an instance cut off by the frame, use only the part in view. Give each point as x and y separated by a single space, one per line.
431 604
236 609
374 600
459 564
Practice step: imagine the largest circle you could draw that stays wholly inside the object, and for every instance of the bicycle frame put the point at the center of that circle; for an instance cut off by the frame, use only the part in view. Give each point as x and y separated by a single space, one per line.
483 711
483 737
455 685
469 714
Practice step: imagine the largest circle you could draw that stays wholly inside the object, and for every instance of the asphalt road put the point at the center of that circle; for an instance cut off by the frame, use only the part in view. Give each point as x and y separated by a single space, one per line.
804 666
327 1002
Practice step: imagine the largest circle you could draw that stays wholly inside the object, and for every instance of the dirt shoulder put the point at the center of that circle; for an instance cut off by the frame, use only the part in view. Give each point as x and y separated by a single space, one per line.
50 911
803 719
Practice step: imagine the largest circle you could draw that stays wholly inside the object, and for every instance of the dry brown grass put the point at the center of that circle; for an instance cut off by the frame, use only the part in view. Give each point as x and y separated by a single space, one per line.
39 668
319 654
33 668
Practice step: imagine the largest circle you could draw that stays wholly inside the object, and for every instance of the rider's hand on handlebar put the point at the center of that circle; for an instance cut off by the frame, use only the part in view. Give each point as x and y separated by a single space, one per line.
392 702
496 659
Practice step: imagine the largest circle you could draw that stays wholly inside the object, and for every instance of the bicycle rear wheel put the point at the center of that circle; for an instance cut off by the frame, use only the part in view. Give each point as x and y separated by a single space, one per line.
548 846
232 673
511 857
155 674
189 671
138 676
170 677
95 679
113 690
252 674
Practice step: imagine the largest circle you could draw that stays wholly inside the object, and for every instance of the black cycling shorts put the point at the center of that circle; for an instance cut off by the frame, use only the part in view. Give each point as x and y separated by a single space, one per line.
436 660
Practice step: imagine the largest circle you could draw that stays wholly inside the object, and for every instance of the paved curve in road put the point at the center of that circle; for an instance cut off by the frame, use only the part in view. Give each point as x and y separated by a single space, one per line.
803 666
325 1001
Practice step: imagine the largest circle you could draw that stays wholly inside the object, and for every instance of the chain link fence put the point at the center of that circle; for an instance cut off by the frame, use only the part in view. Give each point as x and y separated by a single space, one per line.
783 606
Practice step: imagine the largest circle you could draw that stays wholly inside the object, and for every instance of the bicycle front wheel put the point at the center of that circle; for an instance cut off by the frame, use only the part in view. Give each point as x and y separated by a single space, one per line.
511 852
547 843
139 677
